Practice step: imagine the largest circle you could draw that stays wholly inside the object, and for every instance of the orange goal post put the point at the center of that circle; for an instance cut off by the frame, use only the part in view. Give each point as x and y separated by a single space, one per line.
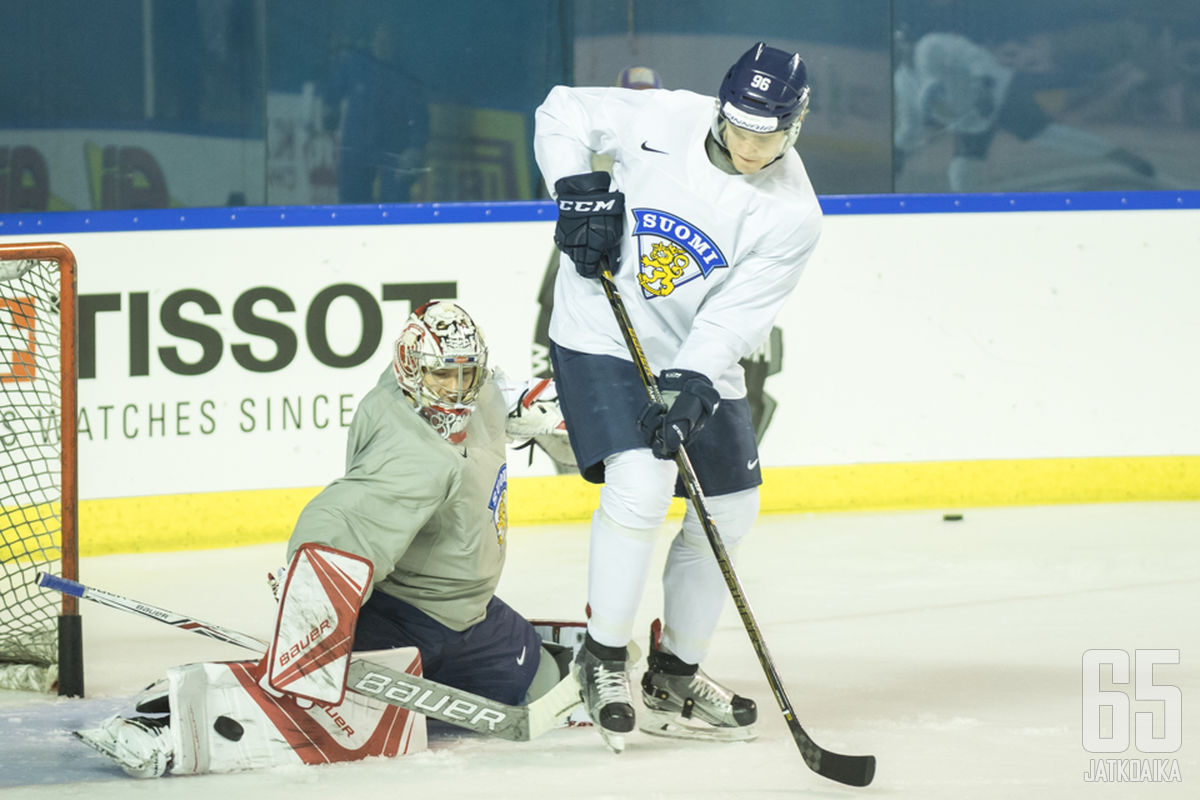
41 642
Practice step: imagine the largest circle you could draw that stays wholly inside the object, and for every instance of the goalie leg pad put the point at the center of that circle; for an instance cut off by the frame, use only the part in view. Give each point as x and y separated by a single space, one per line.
224 721
567 633
554 664
155 698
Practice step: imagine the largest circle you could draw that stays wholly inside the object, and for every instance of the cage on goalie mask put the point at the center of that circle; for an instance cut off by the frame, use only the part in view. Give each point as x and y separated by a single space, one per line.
765 91
440 361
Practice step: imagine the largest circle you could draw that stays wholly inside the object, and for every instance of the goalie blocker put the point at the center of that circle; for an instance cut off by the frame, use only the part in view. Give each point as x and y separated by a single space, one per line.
314 631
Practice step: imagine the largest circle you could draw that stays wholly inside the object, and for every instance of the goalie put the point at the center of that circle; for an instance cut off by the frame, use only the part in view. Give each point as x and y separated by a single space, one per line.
407 548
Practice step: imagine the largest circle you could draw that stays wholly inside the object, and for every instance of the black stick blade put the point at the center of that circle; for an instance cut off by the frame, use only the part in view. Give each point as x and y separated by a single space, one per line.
850 770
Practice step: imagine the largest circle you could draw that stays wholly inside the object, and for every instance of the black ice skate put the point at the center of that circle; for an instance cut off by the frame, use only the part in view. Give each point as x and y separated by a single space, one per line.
682 702
604 688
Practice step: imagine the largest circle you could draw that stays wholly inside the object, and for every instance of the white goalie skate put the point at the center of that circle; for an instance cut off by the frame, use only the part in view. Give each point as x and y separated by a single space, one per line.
141 746
684 703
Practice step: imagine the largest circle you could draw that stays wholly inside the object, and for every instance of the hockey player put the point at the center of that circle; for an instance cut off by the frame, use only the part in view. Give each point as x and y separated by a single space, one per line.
423 505
758 366
947 84
629 78
424 499
707 226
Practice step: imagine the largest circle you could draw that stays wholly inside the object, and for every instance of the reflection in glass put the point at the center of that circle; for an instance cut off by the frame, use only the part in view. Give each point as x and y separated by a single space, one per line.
380 118
160 103
1081 96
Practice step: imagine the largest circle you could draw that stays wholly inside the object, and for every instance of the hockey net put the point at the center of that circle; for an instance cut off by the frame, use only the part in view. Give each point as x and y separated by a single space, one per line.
40 635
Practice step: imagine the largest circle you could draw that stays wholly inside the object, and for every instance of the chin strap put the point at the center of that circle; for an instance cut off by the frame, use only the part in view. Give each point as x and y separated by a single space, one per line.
718 156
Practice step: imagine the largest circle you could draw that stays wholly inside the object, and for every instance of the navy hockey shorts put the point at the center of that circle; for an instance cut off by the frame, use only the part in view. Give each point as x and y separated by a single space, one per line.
602 398
1020 115
495 658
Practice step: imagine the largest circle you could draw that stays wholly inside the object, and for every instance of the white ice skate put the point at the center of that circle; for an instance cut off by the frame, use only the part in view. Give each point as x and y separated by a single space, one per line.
140 746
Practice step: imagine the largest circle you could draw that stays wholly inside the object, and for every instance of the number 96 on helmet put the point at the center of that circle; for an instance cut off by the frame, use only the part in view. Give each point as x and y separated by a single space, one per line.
761 105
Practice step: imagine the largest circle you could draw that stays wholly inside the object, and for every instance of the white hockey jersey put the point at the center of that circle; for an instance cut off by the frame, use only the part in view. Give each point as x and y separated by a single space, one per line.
708 259
959 85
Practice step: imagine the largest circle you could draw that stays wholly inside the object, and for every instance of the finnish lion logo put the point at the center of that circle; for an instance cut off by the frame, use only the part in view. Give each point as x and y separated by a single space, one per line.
662 267
672 252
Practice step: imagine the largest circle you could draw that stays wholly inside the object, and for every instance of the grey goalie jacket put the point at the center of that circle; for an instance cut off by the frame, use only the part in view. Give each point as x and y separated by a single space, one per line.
431 516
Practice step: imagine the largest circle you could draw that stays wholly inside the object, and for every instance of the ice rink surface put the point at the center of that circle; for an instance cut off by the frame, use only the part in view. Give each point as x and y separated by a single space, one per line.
952 651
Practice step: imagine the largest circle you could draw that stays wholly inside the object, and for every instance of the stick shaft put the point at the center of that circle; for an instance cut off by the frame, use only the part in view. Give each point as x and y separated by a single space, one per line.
852 770
221 634
692 485
414 692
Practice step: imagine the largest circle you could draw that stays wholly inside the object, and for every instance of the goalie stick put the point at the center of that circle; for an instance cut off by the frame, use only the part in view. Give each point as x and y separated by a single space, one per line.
413 692
850 770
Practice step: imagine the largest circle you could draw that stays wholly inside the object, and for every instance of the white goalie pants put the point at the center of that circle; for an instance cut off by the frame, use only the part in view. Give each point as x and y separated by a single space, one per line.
222 720
633 506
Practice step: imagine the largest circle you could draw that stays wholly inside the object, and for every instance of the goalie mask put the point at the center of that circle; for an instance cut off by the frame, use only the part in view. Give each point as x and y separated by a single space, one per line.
440 362
762 102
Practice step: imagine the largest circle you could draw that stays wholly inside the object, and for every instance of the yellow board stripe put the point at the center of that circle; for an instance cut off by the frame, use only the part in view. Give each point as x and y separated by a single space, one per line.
229 519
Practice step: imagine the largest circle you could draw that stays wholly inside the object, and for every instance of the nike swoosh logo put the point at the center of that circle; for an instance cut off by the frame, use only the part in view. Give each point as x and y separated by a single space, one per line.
752 464
521 658
646 146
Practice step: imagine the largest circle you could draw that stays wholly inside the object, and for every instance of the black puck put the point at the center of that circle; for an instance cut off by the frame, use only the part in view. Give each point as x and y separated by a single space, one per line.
951 517
229 728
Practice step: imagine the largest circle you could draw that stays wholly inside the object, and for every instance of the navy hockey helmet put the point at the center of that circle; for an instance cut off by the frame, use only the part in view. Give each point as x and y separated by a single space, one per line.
765 91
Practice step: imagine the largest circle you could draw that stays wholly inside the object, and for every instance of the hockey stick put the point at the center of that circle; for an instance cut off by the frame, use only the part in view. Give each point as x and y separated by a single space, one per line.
76 589
397 688
851 770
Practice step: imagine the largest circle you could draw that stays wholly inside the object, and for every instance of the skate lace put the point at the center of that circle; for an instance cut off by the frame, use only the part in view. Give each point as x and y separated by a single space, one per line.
709 691
612 686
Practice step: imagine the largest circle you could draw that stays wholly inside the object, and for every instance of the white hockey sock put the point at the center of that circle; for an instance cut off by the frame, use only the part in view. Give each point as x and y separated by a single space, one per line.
693 587
963 173
1073 140
633 504
618 565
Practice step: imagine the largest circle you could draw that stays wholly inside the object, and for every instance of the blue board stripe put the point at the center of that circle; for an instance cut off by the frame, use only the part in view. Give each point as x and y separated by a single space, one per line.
57 222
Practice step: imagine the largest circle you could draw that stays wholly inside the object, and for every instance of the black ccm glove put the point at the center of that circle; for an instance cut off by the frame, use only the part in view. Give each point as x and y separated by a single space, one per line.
691 399
591 220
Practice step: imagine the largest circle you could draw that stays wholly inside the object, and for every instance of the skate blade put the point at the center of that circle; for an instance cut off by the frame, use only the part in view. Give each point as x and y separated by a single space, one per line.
672 726
98 739
615 741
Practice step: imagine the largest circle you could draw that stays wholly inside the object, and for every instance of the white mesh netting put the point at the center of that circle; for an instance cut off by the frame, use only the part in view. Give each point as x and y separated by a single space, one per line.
30 465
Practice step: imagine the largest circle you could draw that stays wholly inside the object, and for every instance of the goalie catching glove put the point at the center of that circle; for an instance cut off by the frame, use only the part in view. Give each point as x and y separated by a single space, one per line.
591 222
534 416
689 399
533 408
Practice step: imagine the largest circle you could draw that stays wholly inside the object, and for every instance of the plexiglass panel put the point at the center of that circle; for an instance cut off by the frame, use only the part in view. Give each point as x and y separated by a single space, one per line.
1027 95
158 103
